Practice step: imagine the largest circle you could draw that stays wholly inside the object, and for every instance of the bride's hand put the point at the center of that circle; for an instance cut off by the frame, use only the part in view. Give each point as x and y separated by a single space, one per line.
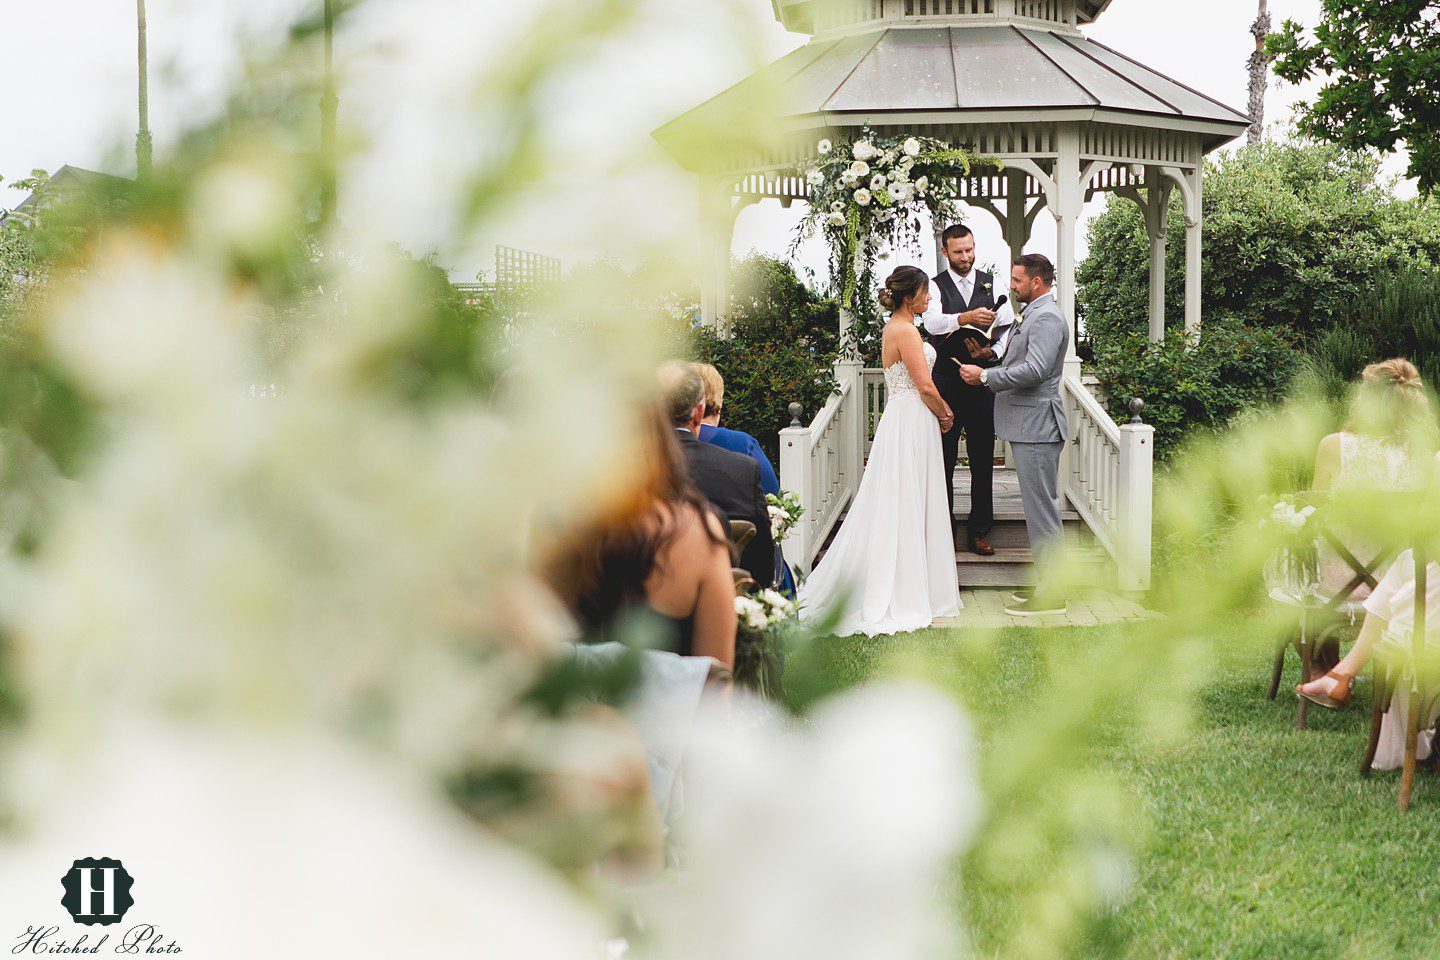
948 420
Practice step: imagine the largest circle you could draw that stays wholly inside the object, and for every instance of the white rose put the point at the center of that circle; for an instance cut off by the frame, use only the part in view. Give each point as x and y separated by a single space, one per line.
773 597
815 179
848 178
863 150
877 182
836 219
862 197
911 147
860 168
824 147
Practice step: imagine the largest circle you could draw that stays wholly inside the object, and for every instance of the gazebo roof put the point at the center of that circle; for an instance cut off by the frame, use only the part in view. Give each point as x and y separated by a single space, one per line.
965 72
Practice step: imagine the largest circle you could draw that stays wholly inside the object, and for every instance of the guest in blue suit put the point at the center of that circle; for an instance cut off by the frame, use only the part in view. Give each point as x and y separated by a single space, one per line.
736 440
740 442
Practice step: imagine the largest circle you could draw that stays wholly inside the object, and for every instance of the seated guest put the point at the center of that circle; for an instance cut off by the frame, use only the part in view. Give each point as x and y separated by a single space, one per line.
740 442
735 440
1390 431
730 481
663 551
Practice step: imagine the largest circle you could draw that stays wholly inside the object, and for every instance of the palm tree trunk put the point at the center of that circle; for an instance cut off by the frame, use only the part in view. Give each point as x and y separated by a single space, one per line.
1259 73
329 104
144 146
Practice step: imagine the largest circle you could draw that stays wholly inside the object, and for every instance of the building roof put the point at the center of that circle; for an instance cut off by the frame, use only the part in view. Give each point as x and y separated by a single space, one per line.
862 77
69 179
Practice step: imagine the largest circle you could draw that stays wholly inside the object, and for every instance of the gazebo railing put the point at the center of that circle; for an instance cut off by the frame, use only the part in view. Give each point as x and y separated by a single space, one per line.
1107 470
821 464
1107 476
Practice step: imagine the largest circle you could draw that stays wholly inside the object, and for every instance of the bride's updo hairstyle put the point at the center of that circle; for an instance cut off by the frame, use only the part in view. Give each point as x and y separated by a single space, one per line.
1392 403
901 285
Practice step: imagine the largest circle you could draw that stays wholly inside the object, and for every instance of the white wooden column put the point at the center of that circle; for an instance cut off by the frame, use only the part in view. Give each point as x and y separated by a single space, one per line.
1157 209
1193 222
717 228
1066 207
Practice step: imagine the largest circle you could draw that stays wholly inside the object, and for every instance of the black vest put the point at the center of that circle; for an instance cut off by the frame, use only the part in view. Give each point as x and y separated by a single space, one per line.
952 346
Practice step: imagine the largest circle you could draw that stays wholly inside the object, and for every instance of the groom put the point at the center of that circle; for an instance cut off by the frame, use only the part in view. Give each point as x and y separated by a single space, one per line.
1030 415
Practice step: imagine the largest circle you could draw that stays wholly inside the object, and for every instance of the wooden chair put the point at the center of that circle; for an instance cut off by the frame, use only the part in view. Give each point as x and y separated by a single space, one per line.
1324 620
1418 666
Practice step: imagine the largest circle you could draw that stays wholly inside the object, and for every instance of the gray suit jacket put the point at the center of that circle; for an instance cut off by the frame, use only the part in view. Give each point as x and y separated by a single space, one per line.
1027 384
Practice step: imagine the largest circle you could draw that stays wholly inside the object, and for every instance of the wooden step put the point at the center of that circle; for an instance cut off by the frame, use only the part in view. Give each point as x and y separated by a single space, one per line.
1015 567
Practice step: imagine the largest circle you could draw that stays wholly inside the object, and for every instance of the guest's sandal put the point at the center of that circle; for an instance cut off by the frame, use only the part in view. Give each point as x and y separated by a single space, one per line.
1339 696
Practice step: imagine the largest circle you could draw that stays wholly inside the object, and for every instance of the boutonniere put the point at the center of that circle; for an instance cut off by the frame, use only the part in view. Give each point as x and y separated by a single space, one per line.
987 285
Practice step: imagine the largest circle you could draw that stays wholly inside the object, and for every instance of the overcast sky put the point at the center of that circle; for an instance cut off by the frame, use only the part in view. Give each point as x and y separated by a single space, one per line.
70 65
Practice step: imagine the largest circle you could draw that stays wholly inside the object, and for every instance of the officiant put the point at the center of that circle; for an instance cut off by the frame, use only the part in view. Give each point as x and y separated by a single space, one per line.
968 325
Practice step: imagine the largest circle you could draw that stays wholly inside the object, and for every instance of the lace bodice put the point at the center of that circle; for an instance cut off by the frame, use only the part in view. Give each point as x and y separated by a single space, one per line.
1368 463
897 377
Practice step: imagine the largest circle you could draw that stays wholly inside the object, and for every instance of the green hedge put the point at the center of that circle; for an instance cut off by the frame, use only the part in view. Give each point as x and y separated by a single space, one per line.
1398 317
1230 368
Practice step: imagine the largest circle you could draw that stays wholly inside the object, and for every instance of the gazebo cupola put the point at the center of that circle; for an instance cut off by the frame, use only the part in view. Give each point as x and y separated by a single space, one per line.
1016 80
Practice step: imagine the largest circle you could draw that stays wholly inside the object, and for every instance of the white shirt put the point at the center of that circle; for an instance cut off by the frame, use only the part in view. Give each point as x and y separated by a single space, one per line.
934 320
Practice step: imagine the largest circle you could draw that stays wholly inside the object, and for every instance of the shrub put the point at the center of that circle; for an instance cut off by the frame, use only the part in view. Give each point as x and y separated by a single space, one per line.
1230 368
1293 230
783 349
1399 317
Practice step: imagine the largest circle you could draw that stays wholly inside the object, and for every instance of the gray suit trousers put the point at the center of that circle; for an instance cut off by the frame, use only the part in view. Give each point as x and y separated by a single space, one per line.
1037 466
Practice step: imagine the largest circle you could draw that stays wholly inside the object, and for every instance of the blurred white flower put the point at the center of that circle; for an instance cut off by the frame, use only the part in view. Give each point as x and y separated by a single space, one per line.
836 219
863 150
824 840
816 178
912 147
824 147
862 197
860 168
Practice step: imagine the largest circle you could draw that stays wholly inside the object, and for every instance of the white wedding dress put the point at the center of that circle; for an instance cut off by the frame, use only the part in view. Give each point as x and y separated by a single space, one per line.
891 568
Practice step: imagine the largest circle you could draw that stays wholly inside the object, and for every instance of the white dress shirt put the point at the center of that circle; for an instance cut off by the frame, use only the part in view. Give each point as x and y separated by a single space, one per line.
934 319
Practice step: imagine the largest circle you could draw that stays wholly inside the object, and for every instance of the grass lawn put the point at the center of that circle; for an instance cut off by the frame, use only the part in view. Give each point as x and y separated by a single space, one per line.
1247 838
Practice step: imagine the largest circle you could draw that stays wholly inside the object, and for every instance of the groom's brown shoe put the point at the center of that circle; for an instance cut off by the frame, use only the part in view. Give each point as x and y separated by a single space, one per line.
981 546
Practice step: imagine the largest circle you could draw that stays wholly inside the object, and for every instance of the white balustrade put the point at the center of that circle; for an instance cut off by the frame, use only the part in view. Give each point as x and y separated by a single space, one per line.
821 464
1107 478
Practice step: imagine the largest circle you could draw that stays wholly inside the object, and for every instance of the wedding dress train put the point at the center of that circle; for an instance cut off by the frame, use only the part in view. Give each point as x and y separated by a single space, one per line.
891 568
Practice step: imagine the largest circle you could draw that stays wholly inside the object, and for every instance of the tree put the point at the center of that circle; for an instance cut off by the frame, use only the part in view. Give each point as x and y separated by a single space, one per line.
329 105
1381 59
1259 73
144 146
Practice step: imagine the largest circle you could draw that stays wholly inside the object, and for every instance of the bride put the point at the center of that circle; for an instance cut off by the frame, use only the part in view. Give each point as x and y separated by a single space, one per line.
891 568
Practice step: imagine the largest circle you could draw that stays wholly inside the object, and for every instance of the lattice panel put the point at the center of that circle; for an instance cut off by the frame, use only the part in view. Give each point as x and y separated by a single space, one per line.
1110 141
1048 11
994 140
835 14
950 8
522 270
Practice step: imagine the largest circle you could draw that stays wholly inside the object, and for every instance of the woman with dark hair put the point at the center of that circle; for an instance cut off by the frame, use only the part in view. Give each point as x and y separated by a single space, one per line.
661 550
891 568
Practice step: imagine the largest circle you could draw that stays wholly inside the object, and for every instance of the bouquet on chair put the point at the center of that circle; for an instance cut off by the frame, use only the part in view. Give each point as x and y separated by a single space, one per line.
785 512
764 619
1294 567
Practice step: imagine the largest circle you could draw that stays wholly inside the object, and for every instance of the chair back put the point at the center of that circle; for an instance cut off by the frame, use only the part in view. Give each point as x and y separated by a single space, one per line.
1364 571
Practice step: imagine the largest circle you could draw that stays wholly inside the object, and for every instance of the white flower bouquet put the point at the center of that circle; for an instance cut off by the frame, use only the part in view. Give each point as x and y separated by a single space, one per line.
764 618
1294 565
785 512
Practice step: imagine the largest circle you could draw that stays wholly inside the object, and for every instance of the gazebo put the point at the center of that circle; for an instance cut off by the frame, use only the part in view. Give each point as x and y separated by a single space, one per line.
1015 80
